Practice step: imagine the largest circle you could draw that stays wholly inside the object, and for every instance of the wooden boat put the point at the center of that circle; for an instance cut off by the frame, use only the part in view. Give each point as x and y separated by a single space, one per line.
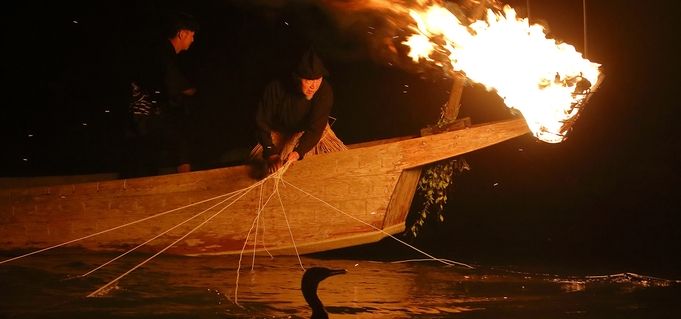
324 202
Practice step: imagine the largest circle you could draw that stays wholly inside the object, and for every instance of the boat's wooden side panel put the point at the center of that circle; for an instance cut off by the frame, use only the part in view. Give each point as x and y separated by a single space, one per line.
433 148
400 202
404 154
307 211
330 200
337 207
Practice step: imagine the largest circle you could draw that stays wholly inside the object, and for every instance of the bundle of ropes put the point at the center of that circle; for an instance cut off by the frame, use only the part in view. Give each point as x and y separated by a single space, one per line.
327 144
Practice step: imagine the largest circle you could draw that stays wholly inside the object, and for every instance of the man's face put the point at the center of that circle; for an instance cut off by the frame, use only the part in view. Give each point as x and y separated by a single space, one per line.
310 87
186 38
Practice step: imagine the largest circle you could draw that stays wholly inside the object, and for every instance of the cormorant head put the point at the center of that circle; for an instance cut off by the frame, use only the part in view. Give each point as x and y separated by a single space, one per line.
311 280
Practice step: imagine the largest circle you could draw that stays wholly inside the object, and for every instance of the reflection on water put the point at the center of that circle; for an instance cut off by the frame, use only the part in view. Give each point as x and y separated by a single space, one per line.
204 287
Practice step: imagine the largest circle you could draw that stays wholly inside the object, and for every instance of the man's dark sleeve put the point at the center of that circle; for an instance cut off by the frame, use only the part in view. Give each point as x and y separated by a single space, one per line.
176 84
263 120
321 109
175 81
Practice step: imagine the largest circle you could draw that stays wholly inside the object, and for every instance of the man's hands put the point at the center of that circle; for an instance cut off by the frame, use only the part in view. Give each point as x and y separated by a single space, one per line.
292 157
274 162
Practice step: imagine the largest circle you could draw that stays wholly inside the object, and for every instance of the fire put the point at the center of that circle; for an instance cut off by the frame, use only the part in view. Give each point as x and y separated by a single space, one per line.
548 82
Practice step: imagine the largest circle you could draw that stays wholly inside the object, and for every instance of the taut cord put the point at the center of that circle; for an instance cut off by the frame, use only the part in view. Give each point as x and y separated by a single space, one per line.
238 269
117 227
157 236
277 176
288 225
244 192
376 228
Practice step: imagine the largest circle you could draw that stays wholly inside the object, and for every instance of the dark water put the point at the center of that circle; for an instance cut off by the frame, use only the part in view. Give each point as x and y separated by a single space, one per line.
48 286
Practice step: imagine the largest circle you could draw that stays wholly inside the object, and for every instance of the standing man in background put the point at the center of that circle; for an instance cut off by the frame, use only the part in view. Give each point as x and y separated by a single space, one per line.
160 98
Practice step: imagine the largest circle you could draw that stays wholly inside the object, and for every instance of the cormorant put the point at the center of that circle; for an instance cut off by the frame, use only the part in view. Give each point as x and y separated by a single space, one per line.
311 280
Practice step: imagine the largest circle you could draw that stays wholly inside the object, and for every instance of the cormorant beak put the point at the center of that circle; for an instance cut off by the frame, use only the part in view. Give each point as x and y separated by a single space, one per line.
337 272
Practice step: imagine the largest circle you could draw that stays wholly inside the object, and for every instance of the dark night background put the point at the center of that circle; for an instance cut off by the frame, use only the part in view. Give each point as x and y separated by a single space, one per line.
606 199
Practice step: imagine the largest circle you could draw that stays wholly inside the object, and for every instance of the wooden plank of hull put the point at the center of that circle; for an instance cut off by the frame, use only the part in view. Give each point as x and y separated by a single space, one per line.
327 201
400 201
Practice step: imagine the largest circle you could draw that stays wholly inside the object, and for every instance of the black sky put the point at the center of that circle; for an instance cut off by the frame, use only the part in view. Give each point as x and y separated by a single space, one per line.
608 195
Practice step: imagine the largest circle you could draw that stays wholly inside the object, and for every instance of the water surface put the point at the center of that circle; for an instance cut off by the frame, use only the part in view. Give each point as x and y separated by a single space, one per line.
49 286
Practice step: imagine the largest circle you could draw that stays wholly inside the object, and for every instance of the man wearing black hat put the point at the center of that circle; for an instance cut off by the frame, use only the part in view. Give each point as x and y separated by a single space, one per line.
300 105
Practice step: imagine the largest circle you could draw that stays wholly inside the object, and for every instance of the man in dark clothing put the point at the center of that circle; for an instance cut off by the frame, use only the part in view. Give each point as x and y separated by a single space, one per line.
160 96
299 104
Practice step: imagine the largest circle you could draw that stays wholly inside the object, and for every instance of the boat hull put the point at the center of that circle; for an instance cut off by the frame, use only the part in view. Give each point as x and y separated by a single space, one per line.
324 202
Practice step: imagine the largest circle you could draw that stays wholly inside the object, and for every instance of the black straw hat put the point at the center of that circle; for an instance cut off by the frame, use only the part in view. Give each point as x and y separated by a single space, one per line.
311 66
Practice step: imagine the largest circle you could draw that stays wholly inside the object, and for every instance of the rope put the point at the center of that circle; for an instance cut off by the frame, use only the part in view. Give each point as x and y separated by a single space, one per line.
428 259
584 12
260 205
528 13
374 227
244 192
238 269
117 227
257 226
289 225
277 176
155 237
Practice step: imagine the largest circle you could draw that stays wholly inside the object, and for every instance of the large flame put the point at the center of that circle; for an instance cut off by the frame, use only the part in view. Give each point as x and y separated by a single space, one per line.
539 77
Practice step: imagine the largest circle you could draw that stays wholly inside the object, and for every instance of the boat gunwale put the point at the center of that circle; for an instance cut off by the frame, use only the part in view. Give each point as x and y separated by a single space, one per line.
364 146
